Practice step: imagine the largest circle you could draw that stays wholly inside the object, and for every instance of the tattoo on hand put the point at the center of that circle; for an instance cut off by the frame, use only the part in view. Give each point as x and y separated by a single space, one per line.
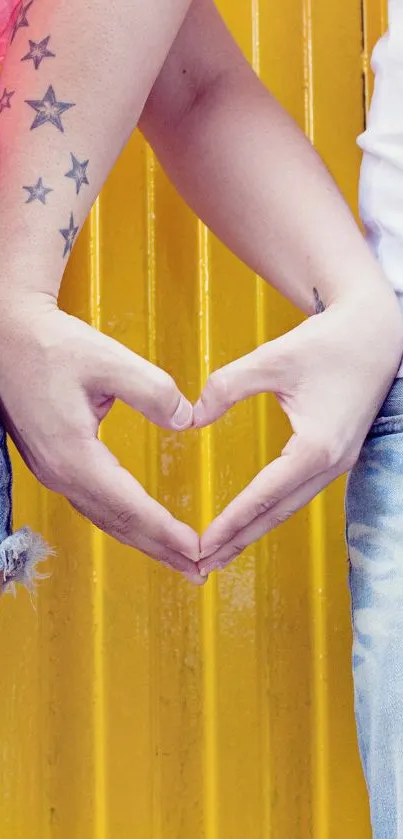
78 172
37 192
21 18
319 306
5 99
69 234
38 51
49 110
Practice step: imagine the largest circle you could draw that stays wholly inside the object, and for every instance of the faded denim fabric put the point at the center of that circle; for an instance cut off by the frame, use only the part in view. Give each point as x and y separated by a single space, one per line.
375 488
5 488
375 541
21 551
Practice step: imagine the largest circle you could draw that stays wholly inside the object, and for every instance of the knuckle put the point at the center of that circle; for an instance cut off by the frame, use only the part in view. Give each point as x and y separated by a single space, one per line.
334 455
325 457
165 557
263 505
324 452
120 523
218 386
159 554
237 548
280 518
163 389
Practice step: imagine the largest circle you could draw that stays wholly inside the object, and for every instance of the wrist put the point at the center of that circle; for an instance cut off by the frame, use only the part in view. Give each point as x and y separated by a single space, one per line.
20 305
31 263
376 318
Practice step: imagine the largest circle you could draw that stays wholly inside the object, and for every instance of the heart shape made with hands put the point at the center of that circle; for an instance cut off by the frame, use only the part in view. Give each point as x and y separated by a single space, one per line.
328 374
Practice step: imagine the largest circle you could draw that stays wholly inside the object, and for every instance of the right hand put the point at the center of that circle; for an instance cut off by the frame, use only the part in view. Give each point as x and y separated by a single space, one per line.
58 380
330 375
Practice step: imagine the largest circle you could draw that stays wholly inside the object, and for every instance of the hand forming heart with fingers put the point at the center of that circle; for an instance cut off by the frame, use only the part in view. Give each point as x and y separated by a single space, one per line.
58 381
330 376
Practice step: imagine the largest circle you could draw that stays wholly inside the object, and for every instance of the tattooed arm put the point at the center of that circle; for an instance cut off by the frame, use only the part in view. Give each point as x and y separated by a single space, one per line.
68 103
67 107
247 170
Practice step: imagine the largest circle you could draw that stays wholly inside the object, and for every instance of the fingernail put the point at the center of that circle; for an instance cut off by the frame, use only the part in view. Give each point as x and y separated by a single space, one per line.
183 415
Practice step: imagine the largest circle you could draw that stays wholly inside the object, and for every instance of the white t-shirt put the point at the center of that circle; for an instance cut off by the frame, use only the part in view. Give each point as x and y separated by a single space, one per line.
381 183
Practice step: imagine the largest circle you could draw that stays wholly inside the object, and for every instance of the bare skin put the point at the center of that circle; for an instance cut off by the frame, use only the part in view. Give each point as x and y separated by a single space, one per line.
225 142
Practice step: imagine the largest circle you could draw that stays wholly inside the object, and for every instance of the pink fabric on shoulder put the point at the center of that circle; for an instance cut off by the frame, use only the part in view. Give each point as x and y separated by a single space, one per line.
7 10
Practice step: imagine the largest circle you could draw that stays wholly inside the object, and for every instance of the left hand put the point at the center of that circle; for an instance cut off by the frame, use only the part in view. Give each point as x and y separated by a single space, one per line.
330 375
59 378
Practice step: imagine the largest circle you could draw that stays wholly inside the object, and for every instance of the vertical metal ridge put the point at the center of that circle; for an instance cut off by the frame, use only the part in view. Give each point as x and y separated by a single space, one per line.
368 28
43 684
320 791
319 636
262 594
98 567
152 486
364 62
308 70
262 557
255 11
209 594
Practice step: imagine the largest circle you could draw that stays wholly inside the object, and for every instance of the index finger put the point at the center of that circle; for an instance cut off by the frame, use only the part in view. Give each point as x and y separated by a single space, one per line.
297 464
115 501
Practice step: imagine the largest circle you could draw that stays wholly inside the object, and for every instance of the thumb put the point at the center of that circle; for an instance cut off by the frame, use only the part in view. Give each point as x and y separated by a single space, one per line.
256 372
146 388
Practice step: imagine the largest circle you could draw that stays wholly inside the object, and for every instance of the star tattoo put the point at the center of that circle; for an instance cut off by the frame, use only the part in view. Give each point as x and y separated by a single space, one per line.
37 192
78 172
21 19
69 234
38 51
49 110
5 99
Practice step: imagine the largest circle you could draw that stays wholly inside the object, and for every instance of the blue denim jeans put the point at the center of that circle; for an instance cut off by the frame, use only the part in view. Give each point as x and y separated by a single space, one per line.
21 551
375 543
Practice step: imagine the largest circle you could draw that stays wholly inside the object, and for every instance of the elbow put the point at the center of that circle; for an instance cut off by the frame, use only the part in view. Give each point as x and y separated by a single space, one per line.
167 111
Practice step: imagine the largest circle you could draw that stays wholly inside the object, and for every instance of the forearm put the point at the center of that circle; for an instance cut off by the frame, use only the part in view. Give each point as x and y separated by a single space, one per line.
65 117
245 167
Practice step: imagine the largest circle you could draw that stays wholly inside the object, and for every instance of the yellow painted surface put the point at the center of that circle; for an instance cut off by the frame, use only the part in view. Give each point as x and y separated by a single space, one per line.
133 706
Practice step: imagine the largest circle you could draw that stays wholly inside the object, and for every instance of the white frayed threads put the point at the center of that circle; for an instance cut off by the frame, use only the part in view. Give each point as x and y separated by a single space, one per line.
20 554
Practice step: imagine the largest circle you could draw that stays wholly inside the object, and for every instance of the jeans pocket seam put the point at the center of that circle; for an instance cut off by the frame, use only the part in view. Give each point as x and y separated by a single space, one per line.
387 425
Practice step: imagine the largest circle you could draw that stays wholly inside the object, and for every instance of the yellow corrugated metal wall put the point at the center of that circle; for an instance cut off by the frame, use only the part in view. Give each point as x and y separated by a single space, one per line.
133 706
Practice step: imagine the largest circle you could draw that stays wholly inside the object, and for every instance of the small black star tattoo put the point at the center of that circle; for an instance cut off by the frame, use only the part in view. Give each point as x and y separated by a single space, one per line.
49 110
38 51
69 234
319 306
5 99
21 19
78 172
37 192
